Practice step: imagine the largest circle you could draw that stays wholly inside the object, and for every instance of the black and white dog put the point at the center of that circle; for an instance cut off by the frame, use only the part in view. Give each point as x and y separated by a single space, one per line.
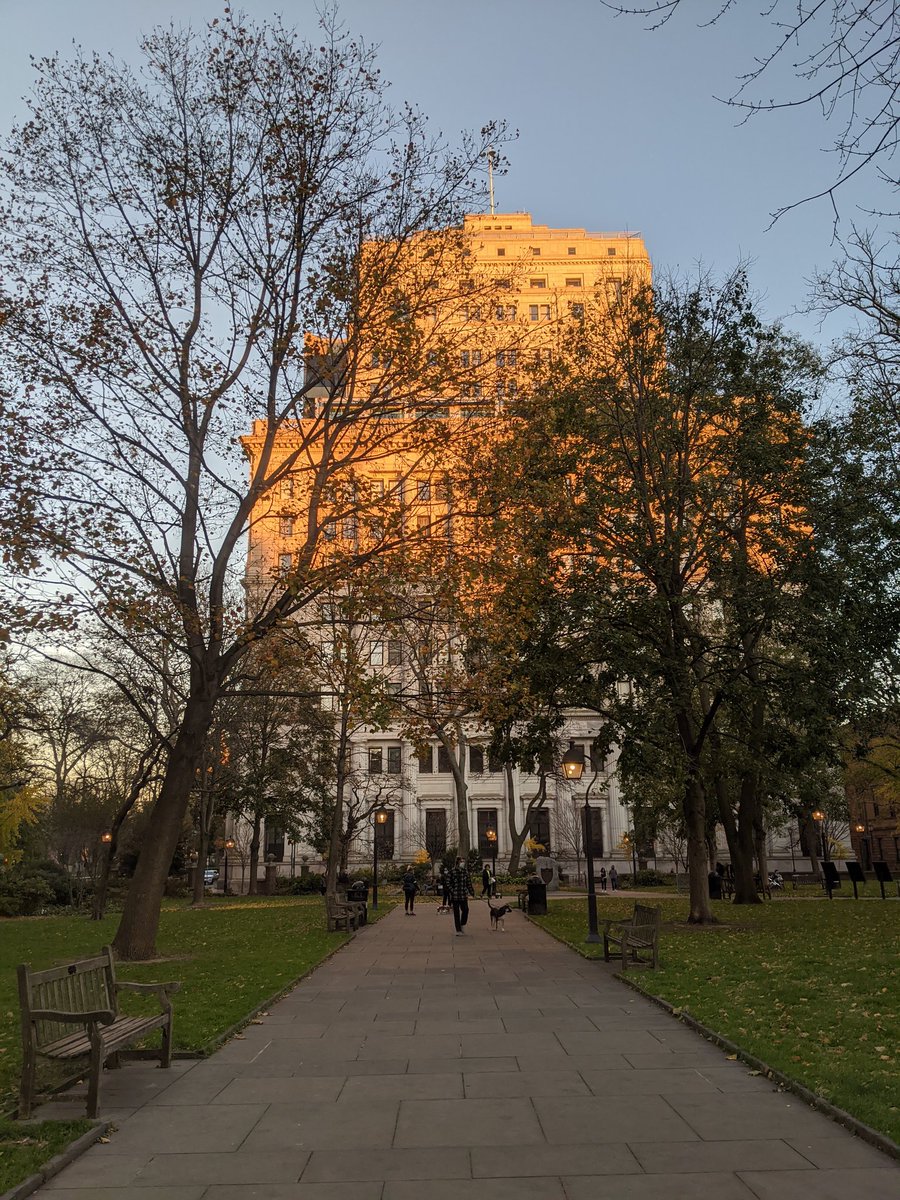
497 915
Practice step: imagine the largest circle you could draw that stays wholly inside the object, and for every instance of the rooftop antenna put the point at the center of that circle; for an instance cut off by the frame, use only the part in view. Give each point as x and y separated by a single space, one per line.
490 158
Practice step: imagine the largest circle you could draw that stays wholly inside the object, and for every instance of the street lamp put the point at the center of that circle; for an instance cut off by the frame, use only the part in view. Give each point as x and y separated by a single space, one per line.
381 816
819 817
227 845
861 829
491 835
573 769
106 837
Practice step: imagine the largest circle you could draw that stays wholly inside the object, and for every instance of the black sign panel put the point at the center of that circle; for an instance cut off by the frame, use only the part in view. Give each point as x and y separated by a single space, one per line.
882 872
855 871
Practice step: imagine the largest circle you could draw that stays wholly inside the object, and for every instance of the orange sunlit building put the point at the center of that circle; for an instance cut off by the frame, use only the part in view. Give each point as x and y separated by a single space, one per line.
446 344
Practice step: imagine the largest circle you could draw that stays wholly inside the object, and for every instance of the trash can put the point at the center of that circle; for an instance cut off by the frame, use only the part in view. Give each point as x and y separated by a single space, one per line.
358 892
537 897
715 886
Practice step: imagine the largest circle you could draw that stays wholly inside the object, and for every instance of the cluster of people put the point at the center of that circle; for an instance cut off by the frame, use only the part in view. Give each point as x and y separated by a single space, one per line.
610 880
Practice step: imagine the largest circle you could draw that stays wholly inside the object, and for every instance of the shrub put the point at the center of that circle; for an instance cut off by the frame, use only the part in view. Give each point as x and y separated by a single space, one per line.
648 878
24 892
310 886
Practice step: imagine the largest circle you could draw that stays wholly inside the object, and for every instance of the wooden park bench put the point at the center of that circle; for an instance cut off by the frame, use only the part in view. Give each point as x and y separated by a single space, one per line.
341 914
84 994
637 938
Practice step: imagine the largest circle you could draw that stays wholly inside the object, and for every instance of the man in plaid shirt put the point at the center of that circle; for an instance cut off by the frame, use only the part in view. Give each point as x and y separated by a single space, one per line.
460 888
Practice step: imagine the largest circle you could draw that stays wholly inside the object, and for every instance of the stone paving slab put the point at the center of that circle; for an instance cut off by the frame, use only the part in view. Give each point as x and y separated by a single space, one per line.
416 1064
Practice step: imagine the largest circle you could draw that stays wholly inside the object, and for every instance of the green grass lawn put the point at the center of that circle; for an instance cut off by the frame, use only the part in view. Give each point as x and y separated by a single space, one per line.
25 1148
230 958
810 987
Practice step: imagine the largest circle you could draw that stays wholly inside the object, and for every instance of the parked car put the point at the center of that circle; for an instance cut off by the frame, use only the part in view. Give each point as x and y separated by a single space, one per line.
210 875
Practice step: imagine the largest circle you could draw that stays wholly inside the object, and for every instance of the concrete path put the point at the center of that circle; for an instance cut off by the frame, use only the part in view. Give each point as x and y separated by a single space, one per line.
416 1065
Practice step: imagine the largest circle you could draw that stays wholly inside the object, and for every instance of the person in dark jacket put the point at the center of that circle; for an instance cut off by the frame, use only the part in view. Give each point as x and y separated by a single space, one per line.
486 882
460 888
410 887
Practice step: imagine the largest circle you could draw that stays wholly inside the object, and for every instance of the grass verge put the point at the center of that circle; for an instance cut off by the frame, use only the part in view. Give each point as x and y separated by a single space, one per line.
810 987
231 957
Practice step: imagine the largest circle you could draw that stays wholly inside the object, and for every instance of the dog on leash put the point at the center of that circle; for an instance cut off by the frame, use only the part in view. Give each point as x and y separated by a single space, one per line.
497 915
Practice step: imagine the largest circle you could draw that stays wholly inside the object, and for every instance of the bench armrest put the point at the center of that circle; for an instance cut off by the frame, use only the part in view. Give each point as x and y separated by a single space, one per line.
643 931
103 1015
624 926
161 991
149 989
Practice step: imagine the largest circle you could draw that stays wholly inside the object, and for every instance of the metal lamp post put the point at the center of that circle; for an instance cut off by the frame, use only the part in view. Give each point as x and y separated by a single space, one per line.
381 816
819 817
491 835
227 845
860 829
573 769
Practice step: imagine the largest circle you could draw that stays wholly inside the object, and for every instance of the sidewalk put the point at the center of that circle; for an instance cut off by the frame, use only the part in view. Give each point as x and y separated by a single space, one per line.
418 1064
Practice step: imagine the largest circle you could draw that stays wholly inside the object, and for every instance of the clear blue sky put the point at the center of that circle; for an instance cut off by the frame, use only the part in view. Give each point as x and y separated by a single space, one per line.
618 128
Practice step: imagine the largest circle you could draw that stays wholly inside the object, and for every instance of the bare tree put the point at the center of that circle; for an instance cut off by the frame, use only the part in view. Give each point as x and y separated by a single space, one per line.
845 55
171 237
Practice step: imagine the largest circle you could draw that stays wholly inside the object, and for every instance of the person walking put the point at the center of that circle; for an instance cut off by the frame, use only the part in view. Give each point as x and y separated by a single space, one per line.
460 888
603 879
444 906
613 878
410 887
486 882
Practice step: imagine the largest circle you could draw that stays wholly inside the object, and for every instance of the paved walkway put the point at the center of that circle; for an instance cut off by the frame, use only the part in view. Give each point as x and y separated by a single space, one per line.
416 1065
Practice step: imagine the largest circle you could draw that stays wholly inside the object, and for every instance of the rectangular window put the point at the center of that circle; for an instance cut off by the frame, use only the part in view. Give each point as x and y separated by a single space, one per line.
385 835
614 291
539 828
464 358
435 832
611 251
577 311
501 253
423 525
501 358
286 526
571 251
476 358
573 281
511 388
376 359
534 312
431 358
476 760
274 841
596 831
284 563
376 654
348 528
329 531
537 283
394 759
487 819
394 653
443 764
511 358
392 688
426 761
536 251
423 489
376 764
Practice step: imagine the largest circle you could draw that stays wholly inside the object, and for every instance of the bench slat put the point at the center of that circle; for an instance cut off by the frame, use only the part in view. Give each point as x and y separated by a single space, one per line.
122 1031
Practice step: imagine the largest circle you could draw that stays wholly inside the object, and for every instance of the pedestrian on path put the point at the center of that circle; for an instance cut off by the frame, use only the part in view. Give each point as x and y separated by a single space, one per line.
460 887
444 906
613 878
410 887
486 882
603 879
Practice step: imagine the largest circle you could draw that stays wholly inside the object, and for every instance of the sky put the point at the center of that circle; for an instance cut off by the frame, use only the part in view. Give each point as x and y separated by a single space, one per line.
618 127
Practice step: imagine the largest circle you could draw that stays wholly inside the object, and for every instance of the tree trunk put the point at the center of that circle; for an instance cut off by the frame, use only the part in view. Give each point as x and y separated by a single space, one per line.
136 936
109 850
253 885
199 897
811 834
762 862
335 841
697 857
461 791
516 840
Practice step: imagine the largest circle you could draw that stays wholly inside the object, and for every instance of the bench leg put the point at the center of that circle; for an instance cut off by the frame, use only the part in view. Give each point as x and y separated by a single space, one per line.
165 1058
26 1090
114 1062
96 1070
